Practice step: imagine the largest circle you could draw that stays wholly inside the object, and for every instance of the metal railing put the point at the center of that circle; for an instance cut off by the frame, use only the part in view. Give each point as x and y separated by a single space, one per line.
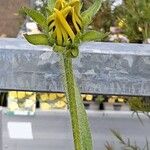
103 68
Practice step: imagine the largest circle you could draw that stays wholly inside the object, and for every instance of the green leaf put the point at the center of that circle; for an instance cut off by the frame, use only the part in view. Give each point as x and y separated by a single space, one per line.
80 125
36 16
91 12
58 49
37 39
51 4
74 52
93 36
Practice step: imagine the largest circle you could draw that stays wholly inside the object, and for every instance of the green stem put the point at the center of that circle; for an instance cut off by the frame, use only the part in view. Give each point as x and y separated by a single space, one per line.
80 127
70 93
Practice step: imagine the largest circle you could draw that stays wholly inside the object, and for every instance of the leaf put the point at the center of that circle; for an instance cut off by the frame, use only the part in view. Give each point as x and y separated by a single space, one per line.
86 138
91 12
36 16
108 146
80 125
93 36
118 136
74 52
37 39
51 4
58 49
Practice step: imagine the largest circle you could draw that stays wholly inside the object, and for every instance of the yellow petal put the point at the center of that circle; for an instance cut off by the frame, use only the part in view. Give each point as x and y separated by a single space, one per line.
76 5
64 34
78 19
51 25
74 21
66 10
59 36
64 23
50 19
60 4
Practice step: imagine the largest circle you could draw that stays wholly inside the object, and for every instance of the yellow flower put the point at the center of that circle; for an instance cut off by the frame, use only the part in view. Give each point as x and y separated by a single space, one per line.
44 97
60 104
89 97
64 26
29 93
32 97
60 95
21 95
121 23
52 96
12 94
65 21
45 106
29 103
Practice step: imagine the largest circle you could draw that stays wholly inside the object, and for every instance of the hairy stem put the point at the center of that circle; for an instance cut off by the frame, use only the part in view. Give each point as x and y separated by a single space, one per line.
80 127
70 93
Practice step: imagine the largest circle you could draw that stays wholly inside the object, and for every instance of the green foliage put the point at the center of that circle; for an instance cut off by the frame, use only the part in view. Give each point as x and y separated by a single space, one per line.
37 39
126 143
104 17
58 49
108 146
88 14
75 52
93 36
51 4
100 99
36 16
135 16
139 104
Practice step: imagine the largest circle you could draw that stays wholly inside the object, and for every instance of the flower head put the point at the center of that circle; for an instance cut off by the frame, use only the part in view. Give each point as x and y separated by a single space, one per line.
64 26
65 21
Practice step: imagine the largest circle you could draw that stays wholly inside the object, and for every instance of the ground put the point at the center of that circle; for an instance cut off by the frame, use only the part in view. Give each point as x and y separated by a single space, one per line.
10 20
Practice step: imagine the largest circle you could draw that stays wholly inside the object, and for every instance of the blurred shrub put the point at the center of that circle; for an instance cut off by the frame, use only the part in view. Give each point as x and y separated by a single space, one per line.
133 16
104 18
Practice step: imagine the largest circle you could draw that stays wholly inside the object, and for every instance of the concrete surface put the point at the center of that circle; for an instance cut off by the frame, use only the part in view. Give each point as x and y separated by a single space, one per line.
51 130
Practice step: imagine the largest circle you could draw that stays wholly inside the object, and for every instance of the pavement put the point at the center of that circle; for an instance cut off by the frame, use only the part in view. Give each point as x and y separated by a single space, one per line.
52 131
